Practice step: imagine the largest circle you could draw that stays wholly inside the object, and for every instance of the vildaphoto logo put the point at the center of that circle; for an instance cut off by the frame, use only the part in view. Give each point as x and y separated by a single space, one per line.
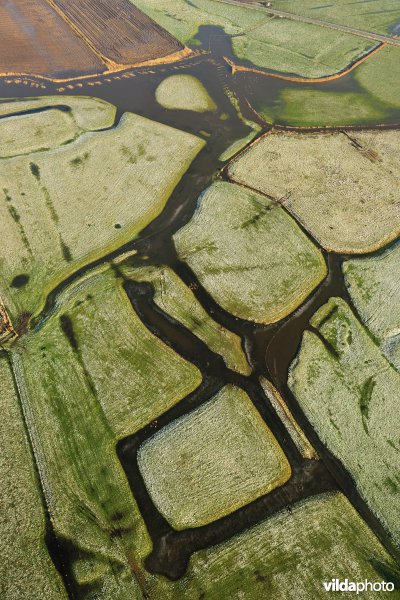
345 585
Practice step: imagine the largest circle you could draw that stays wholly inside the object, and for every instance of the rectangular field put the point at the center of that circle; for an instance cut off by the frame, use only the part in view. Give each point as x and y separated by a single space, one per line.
119 30
35 40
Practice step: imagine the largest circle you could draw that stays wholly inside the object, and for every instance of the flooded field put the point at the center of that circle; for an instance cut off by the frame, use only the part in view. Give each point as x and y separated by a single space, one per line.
195 352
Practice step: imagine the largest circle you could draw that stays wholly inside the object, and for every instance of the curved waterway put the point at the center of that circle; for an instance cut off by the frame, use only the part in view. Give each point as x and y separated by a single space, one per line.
270 349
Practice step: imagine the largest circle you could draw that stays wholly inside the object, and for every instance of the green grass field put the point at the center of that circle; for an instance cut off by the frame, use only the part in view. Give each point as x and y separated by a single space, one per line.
218 244
122 178
212 461
373 283
350 394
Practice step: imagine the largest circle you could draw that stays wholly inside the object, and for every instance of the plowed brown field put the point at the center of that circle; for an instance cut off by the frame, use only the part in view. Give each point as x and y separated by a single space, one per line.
118 30
64 39
35 40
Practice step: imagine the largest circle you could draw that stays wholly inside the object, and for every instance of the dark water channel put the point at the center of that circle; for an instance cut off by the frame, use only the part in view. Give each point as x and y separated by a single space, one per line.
270 349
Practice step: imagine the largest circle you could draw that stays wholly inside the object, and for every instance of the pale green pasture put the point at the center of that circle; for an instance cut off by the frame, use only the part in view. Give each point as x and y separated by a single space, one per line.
374 287
377 16
184 92
212 461
71 205
350 394
249 254
342 187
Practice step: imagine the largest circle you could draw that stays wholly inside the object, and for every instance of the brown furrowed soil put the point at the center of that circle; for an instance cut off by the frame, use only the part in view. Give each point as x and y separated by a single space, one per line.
119 31
35 40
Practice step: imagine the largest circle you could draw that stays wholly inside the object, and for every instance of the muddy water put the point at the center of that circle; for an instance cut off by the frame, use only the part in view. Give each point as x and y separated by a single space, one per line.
270 349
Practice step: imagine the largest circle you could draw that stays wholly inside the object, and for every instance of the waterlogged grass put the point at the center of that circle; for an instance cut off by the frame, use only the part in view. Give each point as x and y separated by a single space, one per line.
121 180
176 299
342 187
380 75
377 17
316 108
249 254
350 394
184 92
274 44
136 377
89 499
374 287
286 557
212 461
25 567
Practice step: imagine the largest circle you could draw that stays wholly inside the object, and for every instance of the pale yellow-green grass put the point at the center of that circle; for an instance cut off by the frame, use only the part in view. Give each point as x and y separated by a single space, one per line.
89 500
135 375
26 569
89 375
376 17
286 557
350 394
292 427
90 114
275 44
184 92
36 132
380 75
249 254
176 299
212 461
66 207
342 187
374 287
299 49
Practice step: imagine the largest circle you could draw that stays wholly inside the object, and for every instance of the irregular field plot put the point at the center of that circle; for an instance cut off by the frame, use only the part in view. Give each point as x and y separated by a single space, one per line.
249 254
65 207
374 287
286 557
36 132
25 562
177 300
377 17
184 92
119 30
35 40
91 374
299 49
275 44
135 375
350 393
90 114
89 499
343 188
212 461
